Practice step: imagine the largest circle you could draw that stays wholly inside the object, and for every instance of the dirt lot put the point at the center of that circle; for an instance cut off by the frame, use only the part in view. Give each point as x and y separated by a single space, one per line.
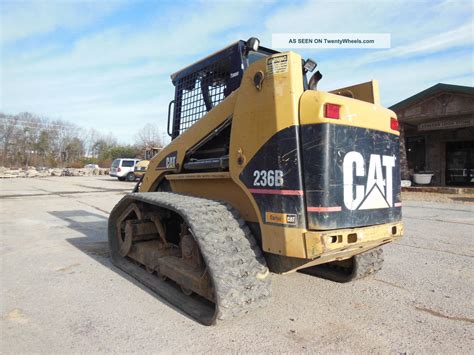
60 293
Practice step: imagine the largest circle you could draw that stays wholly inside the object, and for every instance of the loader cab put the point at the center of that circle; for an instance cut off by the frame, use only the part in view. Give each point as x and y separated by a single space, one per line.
204 84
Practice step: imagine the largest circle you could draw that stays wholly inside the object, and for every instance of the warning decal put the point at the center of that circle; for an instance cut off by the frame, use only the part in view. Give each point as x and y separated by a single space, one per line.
278 64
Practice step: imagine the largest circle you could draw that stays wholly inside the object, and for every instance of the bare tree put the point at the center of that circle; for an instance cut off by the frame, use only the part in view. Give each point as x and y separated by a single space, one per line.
90 138
7 130
27 139
148 136
20 134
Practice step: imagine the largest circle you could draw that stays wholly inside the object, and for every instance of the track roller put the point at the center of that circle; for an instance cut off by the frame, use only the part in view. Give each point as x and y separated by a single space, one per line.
196 253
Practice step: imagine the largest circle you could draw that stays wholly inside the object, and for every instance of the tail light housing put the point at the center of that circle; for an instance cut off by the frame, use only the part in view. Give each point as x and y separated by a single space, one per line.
119 169
332 111
394 124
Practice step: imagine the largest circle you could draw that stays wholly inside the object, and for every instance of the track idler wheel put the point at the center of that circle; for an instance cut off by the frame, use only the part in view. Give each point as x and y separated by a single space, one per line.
125 235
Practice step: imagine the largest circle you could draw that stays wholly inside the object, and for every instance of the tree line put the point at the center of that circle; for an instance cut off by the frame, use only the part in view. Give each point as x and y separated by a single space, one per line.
30 140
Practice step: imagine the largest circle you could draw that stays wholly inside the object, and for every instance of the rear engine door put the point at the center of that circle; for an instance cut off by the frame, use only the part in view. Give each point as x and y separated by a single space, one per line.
351 162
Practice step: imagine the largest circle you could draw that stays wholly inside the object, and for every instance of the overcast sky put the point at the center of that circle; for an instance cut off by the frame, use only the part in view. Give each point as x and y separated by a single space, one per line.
106 64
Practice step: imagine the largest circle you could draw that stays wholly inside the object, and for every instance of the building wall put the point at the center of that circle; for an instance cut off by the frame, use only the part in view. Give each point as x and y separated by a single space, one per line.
444 104
439 107
435 156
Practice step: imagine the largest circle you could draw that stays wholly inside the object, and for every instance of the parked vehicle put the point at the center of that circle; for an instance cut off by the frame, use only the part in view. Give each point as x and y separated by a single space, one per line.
91 166
123 168
140 168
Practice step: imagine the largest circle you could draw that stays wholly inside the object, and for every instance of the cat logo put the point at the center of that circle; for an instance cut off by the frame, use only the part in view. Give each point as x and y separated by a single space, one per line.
168 162
377 191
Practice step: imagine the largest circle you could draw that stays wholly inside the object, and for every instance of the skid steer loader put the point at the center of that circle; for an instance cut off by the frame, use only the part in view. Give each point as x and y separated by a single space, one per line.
264 174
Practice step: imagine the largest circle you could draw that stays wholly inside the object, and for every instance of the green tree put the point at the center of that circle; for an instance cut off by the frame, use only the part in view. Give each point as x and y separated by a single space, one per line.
74 150
124 151
101 149
43 144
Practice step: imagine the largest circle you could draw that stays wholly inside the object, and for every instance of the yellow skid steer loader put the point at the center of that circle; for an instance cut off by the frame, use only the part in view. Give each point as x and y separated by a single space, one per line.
264 174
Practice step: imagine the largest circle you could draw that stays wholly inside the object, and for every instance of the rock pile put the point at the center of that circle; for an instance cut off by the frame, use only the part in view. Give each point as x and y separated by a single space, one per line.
42 172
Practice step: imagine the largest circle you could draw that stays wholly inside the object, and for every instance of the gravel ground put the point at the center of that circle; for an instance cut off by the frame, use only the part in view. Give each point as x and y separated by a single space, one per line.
60 293
437 197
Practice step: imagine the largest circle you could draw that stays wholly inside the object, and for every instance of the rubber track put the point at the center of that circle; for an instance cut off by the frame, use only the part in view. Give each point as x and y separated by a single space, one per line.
234 260
364 264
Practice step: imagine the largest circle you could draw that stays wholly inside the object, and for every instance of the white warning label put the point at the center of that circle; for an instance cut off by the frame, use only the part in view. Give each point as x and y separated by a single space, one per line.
278 64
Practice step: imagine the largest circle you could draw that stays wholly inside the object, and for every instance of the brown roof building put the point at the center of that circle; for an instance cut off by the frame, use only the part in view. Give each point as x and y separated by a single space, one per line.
437 134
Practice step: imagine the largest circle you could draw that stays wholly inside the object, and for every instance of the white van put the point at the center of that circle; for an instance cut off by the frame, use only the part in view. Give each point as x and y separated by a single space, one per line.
123 168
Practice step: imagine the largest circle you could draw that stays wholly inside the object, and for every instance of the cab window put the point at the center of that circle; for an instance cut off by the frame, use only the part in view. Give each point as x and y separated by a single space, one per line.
128 163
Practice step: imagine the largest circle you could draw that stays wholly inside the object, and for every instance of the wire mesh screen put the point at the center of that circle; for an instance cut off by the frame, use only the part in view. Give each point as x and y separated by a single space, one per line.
199 92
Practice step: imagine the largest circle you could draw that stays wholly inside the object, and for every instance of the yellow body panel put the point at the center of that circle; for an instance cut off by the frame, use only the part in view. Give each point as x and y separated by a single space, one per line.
138 168
369 238
269 110
347 240
353 112
368 92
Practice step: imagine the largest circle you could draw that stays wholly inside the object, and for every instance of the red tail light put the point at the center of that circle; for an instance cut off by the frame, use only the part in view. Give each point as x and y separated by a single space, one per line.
394 124
119 169
332 111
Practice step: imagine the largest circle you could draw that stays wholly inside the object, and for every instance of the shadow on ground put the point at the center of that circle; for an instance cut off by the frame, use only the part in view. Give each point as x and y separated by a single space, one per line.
95 244
463 199
94 228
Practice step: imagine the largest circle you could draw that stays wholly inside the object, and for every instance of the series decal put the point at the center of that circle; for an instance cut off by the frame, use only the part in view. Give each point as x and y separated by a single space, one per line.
280 218
268 178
